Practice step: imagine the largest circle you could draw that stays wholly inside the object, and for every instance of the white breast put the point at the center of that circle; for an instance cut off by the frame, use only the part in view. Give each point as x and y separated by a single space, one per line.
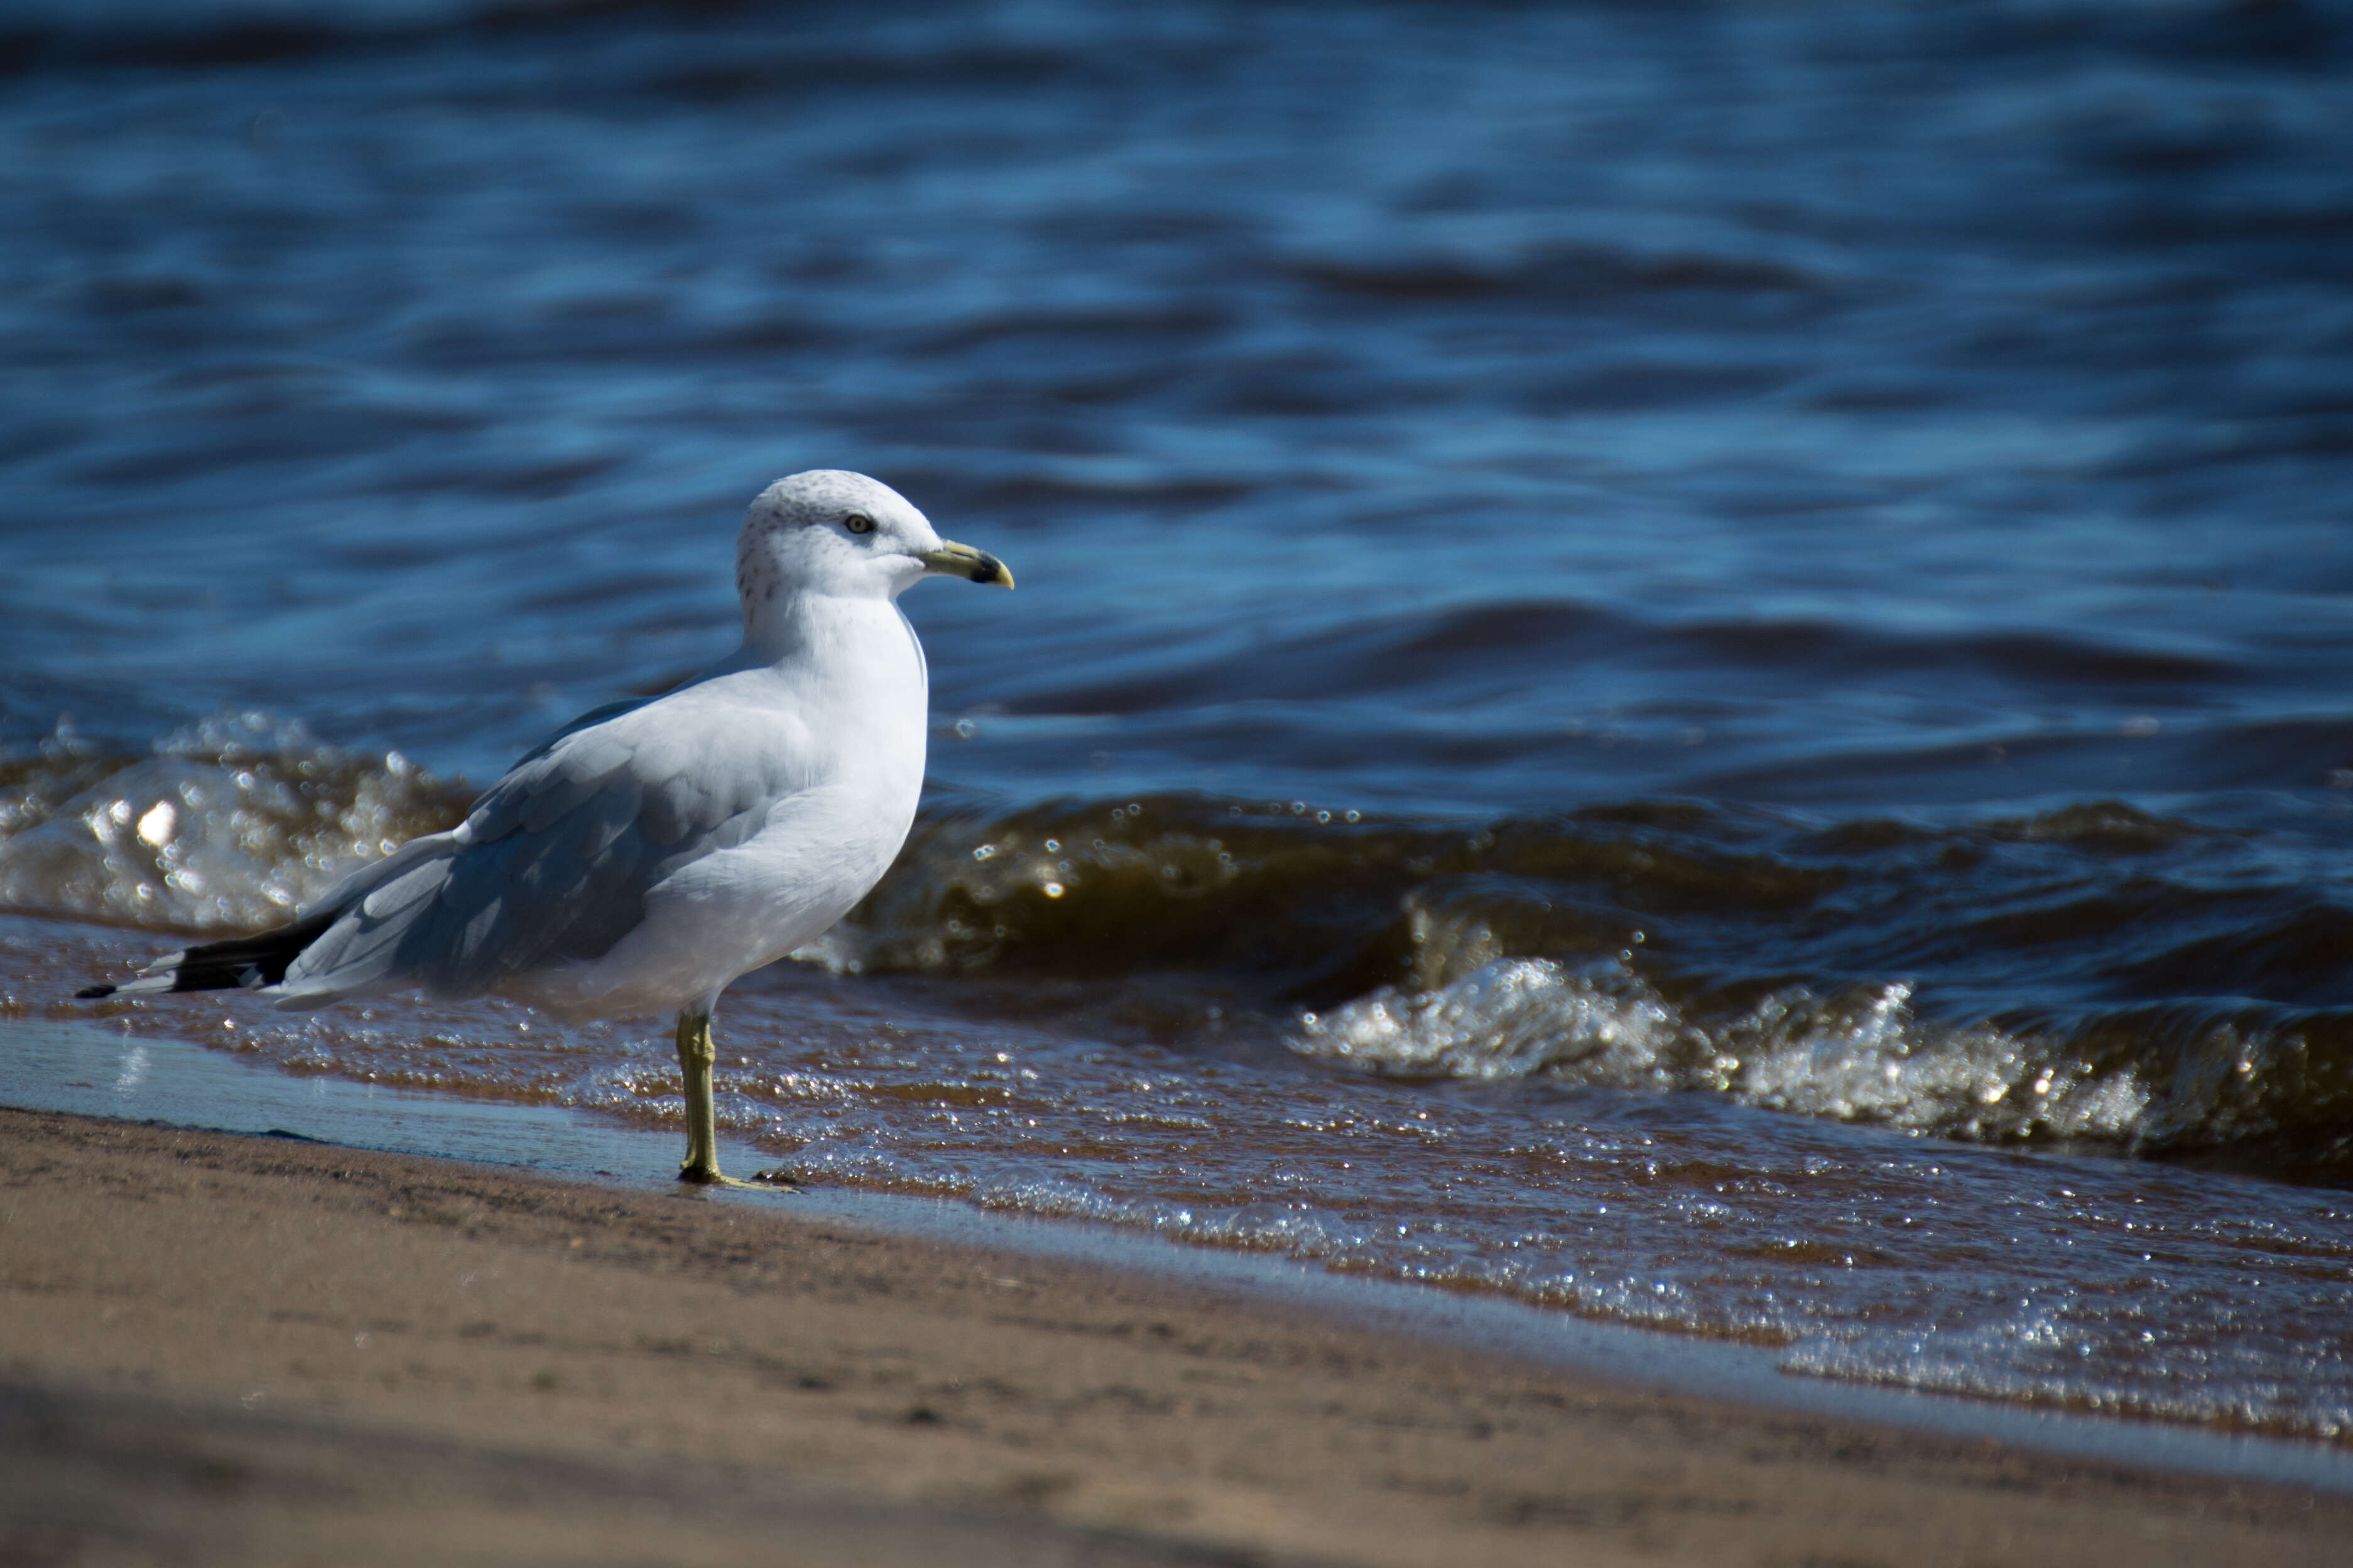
857 685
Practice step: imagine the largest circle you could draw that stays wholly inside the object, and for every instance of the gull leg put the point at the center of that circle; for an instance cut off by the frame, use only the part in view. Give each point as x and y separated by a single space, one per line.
695 1055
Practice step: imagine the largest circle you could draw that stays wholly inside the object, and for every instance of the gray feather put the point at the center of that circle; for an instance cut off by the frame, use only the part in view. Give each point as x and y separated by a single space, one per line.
553 863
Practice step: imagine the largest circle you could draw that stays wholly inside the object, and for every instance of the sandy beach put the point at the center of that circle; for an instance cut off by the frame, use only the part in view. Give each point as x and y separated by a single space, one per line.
224 1349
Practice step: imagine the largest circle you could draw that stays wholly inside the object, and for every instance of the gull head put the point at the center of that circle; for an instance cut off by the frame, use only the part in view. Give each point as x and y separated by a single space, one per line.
827 532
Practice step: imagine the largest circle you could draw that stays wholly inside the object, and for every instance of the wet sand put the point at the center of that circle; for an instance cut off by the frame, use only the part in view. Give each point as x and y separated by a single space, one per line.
223 1349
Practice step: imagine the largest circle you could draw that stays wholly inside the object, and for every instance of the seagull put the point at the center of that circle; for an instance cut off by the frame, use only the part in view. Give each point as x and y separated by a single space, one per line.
650 852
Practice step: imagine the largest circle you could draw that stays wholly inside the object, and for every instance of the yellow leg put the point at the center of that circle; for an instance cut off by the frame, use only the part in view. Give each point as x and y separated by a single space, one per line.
694 1059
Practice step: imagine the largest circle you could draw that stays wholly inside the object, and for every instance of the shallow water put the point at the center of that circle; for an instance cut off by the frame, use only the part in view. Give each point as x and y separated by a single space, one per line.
1682 664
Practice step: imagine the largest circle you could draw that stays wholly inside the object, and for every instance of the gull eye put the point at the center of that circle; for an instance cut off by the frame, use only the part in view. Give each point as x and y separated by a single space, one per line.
859 522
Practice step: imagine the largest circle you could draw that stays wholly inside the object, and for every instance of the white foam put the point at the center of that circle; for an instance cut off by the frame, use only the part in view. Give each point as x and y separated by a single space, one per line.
1507 1019
1861 1056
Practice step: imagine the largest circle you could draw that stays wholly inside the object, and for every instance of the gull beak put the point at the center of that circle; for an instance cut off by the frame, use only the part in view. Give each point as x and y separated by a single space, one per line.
963 560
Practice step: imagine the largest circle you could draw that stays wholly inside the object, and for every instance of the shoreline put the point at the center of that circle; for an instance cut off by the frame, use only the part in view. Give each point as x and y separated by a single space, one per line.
244 1348
82 1067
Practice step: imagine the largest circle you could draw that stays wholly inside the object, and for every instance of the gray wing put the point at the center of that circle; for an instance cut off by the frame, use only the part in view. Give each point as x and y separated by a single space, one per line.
554 864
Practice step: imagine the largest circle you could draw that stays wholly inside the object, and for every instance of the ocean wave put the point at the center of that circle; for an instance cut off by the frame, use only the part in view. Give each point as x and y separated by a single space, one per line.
2268 1090
1859 1055
1452 649
1513 1018
2091 976
230 824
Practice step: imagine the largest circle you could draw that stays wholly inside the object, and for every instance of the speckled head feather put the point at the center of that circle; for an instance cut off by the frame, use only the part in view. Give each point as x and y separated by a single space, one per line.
809 533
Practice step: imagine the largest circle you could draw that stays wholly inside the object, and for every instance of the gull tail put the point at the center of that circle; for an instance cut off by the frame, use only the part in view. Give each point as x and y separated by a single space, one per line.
349 941
242 961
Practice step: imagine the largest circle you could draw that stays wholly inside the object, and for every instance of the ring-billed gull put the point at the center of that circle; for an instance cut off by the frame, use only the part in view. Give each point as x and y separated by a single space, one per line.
650 852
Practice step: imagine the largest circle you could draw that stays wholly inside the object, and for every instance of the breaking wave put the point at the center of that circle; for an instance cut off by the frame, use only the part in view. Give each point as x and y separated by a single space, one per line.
228 825
2091 977
1837 970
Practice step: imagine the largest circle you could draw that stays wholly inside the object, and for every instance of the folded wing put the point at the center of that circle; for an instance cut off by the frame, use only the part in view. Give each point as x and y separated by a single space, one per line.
553 865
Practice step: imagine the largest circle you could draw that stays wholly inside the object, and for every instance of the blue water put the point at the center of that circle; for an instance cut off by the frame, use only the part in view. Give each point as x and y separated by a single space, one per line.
1728 616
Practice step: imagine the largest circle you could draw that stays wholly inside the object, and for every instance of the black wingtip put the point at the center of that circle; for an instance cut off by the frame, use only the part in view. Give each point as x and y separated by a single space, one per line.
91 993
